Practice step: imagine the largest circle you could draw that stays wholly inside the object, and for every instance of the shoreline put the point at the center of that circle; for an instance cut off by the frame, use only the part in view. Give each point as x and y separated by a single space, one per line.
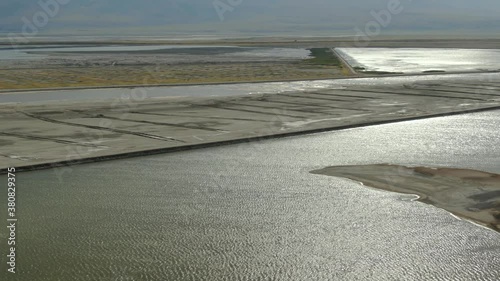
468 194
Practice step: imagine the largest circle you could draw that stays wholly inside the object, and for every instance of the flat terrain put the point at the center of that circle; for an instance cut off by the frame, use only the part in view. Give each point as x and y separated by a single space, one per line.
37 134
48 133
293 42
470 194
168 66
33 78
210 65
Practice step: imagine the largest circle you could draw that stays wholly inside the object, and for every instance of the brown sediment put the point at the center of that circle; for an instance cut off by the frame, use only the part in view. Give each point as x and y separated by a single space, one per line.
162 67
470 194
130 75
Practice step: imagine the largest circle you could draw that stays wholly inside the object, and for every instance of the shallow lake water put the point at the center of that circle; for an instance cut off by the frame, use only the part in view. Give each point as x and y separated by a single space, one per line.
255 212
417 60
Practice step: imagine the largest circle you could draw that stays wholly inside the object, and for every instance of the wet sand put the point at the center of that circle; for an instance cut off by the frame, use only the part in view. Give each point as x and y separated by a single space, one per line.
470 194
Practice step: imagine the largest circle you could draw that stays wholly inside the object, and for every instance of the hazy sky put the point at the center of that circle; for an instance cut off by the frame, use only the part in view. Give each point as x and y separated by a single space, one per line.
306 17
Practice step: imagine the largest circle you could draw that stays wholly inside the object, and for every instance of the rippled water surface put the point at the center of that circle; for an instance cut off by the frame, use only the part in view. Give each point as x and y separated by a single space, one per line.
417 60
254 212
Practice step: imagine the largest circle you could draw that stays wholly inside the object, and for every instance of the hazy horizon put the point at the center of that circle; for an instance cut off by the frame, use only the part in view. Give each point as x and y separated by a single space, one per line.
257 17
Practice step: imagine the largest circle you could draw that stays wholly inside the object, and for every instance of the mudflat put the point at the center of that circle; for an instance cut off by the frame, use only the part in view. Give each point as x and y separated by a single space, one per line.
52 134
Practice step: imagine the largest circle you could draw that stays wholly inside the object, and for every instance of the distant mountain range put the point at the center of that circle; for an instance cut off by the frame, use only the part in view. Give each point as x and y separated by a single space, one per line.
307 17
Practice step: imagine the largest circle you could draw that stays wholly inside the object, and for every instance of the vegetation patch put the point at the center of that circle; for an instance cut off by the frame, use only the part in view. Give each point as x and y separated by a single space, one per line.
381 72
323 56
434 71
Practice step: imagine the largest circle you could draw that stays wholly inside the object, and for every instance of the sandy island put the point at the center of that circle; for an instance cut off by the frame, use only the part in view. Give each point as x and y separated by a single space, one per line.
470 194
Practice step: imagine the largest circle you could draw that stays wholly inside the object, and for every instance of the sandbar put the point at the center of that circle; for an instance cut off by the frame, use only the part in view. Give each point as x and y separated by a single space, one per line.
470 194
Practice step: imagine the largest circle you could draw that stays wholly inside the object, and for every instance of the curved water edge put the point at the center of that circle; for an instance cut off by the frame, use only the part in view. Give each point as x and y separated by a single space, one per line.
470 194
